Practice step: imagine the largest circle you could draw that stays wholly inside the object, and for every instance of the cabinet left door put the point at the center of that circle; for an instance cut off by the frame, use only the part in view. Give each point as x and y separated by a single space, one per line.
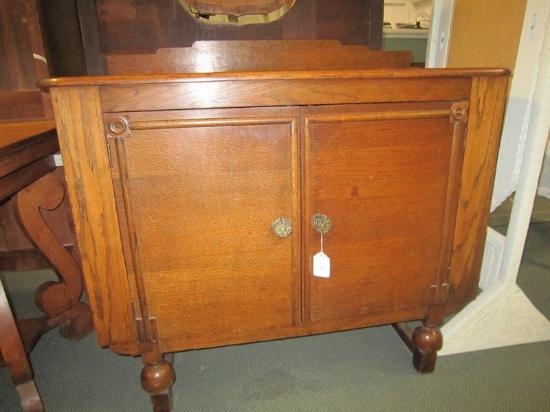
197 194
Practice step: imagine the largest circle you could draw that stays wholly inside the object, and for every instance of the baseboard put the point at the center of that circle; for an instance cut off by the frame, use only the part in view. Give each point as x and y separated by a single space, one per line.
501 316
492 258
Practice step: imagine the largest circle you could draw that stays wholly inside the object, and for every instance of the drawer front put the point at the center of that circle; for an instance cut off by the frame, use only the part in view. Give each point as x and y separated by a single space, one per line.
197 194
387 178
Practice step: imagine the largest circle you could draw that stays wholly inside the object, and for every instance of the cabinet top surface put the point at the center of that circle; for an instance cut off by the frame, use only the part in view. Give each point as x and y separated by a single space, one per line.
269 75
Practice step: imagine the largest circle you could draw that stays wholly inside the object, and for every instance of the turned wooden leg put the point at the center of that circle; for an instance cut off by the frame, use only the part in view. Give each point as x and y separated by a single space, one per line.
425 340
14 356
157 378
53 298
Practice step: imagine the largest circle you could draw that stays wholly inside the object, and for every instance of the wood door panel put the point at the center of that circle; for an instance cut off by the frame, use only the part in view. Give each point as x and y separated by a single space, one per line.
208 177
384 183
201 195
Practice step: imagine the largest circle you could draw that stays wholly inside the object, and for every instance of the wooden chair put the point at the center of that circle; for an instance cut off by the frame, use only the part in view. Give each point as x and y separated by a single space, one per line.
25 156
26 166
16 360
28 185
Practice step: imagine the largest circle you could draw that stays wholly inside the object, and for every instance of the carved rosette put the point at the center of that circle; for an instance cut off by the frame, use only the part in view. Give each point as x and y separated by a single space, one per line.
116 125
459 112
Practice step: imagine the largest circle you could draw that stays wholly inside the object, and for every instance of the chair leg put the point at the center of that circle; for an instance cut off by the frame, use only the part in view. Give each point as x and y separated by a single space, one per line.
16 359
55 299
29 397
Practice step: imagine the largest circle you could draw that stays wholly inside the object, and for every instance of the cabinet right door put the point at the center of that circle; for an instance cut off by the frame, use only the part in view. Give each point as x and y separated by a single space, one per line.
386 176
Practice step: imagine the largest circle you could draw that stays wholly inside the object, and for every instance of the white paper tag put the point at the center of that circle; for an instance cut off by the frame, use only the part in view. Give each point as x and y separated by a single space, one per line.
321 265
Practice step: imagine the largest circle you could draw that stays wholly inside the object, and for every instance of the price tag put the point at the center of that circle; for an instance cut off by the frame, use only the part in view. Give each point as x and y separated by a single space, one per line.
321 265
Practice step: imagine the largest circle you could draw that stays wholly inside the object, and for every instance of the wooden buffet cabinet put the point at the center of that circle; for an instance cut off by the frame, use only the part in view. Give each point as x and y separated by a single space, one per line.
199 201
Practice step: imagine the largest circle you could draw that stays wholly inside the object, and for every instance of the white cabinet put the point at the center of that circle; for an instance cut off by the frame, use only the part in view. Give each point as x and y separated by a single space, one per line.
405 11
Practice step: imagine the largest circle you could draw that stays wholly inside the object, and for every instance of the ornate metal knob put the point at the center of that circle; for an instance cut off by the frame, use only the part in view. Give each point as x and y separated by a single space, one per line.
321 223
282 227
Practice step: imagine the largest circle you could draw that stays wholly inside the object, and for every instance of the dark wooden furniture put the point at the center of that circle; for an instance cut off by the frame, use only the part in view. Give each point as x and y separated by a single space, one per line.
200 201
22 63
284 55
82 34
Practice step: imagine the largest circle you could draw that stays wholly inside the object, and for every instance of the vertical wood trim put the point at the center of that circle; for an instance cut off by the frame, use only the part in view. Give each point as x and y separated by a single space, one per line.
458 118
376 22
482 143
87 17
82 142
533 158
132 238
296 211
305 180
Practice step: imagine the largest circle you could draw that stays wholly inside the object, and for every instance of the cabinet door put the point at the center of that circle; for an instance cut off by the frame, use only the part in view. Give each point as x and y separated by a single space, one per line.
198 191
387 177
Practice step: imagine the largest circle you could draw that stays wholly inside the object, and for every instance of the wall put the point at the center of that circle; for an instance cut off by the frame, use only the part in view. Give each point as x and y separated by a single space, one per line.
474 42
402 39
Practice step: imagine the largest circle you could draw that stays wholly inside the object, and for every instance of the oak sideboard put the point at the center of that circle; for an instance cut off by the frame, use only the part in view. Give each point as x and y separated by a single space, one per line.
222 208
